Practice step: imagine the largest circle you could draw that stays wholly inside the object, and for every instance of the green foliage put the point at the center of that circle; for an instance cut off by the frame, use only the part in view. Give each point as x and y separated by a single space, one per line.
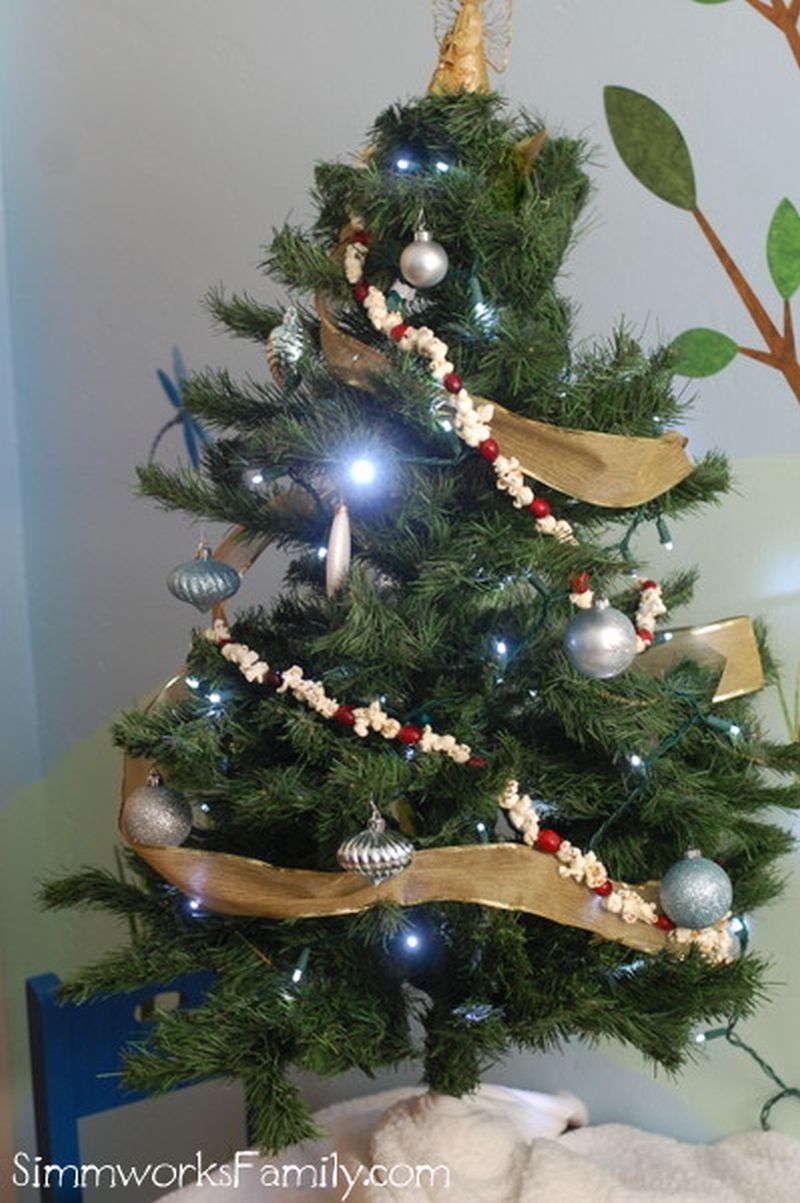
442 567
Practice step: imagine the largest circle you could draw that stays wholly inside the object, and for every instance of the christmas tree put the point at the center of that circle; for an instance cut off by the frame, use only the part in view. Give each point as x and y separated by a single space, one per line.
410 794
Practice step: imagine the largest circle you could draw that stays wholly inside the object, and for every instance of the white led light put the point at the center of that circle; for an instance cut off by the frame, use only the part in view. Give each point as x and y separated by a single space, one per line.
255 477
480 826
668 546
411 941
297 975
635 761
446 424
699 1037
215 698
321 553
501 647
666 636
734 730
402 164
192 682
442 166
363 471
194 904
205 807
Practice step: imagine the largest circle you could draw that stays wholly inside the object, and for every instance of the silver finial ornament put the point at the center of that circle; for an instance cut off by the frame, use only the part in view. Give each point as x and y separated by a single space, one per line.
376 853
600 642
203 582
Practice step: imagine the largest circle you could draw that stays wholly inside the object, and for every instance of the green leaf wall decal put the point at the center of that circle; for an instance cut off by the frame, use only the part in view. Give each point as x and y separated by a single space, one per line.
702 352
783 249
651 146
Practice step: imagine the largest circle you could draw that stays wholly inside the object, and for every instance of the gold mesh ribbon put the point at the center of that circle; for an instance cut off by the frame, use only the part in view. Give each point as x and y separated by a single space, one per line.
609 470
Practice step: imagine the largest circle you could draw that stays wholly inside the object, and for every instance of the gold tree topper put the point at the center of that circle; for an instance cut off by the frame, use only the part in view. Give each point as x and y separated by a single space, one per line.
474 35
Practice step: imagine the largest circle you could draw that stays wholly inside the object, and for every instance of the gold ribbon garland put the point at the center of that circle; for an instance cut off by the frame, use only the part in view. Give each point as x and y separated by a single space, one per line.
609 470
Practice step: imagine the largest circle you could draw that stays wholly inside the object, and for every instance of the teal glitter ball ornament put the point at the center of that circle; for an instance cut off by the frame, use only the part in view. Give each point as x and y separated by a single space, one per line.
203 582
695 892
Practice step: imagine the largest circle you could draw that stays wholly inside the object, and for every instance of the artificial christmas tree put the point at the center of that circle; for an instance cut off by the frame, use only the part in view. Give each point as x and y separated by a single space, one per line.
422 780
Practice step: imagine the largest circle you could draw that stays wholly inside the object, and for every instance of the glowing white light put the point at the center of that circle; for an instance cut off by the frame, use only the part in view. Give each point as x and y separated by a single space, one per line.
734 730
480 826
501 647
699 1037
205 807
412 942
321 553
668 546
446 424
737 925
192 682
194 904
363 471
403 164
485 315
666 637
297 975
635 761
255 477
442 166
215 698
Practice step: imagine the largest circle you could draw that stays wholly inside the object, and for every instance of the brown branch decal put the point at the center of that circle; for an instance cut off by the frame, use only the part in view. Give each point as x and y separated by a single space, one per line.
655 151
785 16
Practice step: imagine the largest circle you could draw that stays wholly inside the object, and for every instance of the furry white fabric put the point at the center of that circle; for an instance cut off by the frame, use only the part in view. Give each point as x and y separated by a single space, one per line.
508 1146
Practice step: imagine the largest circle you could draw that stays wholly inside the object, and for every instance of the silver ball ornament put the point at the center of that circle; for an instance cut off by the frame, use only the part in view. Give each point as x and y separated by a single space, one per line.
600 642
203 581
424 262
695 892
153 814
376 853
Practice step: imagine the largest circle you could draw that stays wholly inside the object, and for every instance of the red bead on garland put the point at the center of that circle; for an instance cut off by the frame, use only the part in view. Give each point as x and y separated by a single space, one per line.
665 923
478 762
345 716
399 330
273 677
645 635
362 236
410 733
548 840
580 582
452 382
648 585
361 291
603 890
540 507
489 449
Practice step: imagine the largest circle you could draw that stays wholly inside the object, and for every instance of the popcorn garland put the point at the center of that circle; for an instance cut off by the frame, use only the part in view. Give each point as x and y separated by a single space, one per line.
470 421
650 609
715 943
584 868
363 719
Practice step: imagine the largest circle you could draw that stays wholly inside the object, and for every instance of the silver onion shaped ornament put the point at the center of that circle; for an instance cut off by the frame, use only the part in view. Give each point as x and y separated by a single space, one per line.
600 642
203 581
695 892
424 261
376 853
153 814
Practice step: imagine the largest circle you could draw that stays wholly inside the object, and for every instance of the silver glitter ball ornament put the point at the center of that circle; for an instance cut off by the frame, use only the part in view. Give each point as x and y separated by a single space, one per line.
153 814
600 642
424 262
376 853
203 581
695 892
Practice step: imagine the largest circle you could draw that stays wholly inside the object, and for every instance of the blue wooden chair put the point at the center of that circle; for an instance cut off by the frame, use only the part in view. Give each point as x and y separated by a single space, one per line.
75 1063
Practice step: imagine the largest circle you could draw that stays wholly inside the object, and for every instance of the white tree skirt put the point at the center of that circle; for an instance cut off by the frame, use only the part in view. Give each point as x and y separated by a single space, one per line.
503 1146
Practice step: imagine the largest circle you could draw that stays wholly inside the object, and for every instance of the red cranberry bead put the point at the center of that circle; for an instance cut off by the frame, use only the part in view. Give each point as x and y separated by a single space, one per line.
363 237
478 762
580 582
409 733
398 331
540 508
604 890
548 840
645 635
345 716
648 585
489 449
452 382
360 290
665 923
273 678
